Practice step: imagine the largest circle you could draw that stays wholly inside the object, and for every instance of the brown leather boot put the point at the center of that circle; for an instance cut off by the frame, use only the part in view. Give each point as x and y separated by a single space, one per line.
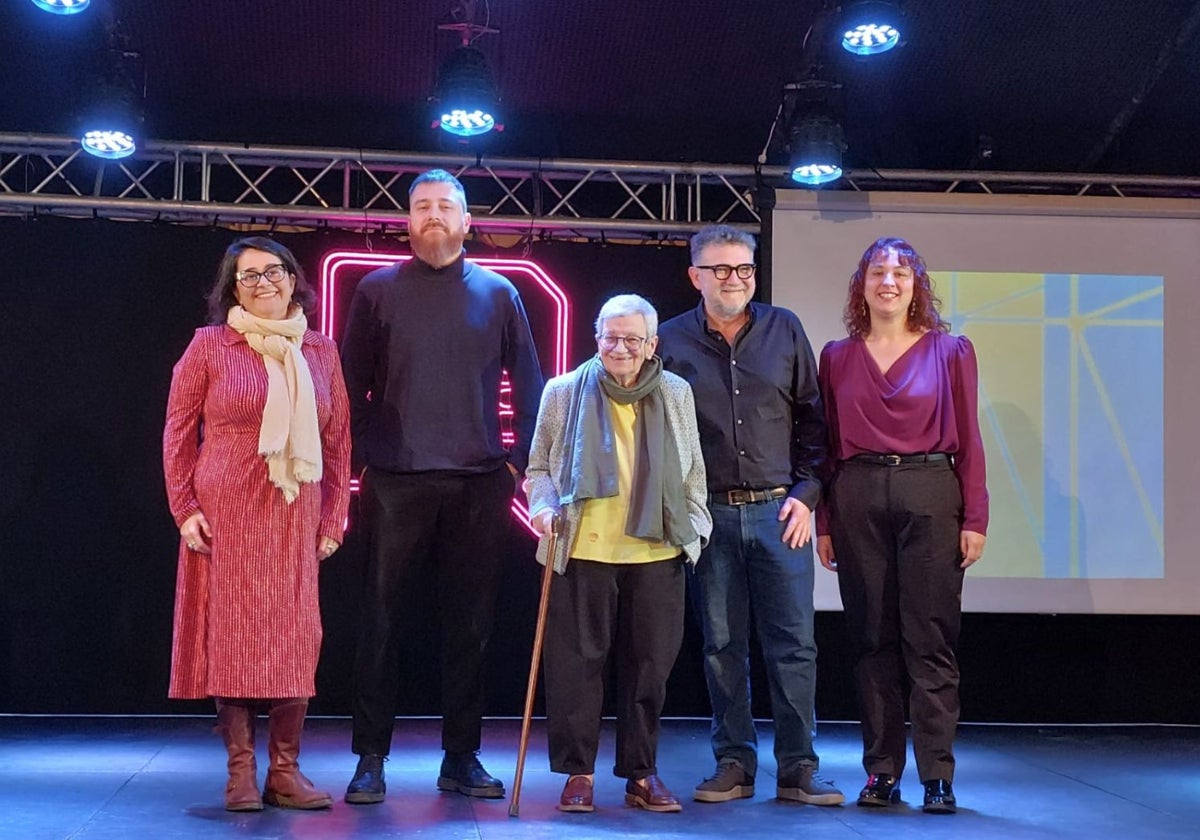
235 723
286 785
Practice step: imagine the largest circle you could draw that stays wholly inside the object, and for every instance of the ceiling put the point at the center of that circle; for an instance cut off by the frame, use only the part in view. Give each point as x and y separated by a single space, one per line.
1057 85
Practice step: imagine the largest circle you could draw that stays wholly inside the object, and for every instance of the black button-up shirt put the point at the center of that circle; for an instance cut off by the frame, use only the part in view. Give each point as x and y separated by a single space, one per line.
757 402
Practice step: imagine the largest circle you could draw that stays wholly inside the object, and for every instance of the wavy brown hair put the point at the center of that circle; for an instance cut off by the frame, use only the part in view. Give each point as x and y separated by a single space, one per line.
223 295
924 313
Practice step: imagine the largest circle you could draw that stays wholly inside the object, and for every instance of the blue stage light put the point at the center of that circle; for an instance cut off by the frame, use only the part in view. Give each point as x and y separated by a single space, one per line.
62 7
110 116
467 123
870 27
870 39
466 94
110 144
815 148
815 174
111 121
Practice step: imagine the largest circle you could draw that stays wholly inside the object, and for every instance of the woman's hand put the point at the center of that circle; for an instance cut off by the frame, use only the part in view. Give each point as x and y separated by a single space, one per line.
970 545
197 533
326 546
543 521
825 552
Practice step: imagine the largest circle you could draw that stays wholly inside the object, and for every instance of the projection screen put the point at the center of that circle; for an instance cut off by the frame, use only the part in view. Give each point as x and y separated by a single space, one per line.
1084 312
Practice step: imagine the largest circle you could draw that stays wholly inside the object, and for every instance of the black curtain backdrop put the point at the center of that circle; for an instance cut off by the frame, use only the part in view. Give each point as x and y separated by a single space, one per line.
98 314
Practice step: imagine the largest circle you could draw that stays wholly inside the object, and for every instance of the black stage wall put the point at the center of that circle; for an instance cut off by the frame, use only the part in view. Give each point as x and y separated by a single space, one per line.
98 314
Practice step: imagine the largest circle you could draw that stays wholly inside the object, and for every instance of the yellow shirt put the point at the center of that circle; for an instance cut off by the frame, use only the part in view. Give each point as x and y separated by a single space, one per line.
601 535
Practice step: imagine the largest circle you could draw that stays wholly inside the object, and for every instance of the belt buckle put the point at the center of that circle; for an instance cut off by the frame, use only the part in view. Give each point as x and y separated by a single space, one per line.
892 460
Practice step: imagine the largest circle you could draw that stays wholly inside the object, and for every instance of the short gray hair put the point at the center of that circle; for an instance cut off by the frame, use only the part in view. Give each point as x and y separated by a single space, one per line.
619 305
719 235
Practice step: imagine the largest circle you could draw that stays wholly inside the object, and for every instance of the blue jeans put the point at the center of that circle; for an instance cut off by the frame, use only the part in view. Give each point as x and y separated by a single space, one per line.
746 568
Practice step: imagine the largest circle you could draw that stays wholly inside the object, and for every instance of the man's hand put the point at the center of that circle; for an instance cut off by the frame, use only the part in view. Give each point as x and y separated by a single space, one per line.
799 522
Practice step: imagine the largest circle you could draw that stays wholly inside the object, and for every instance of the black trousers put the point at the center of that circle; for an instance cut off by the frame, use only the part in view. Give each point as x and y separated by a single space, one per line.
636 612
435 540
895 535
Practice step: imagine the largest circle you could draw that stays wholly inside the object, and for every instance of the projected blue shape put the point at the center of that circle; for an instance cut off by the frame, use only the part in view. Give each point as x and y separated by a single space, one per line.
1103 426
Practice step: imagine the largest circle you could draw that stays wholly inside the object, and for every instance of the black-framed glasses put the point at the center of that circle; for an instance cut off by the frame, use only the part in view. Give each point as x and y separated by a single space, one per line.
633 343
275 273
722 271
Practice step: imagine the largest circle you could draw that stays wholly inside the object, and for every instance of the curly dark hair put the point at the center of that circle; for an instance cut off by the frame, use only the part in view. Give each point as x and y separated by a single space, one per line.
924 313
223 293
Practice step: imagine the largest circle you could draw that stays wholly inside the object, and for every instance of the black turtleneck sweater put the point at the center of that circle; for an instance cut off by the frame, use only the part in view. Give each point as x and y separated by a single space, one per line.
422 353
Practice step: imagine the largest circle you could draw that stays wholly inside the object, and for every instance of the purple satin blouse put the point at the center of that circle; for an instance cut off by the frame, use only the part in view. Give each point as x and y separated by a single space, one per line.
926 402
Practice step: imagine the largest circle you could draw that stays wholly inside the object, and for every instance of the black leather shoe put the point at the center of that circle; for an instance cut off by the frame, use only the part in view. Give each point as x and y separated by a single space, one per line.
367 787
939 798
880 792
462 773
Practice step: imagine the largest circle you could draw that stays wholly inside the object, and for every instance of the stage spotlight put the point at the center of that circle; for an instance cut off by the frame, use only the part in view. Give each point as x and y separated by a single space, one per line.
62 7
466 94
870 27
809 115
110 119
815 149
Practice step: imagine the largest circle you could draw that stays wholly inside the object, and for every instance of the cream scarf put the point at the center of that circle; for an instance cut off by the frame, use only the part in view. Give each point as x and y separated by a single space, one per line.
289 439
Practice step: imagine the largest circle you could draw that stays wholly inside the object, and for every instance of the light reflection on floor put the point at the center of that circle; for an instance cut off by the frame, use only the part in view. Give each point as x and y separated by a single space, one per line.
96 778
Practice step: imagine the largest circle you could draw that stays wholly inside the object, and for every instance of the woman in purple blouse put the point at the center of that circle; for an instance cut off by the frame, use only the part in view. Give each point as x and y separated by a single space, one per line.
905 515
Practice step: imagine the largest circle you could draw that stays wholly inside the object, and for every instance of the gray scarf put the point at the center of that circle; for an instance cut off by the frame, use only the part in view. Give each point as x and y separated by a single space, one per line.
657 507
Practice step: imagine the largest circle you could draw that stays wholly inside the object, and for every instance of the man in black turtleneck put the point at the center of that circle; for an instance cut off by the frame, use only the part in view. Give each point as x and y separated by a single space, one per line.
422 354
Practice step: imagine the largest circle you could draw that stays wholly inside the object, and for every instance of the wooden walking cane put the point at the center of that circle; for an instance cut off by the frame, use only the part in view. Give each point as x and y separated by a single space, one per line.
539 635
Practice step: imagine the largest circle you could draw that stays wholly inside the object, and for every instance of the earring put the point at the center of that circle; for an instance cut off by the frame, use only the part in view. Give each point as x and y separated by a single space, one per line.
865 312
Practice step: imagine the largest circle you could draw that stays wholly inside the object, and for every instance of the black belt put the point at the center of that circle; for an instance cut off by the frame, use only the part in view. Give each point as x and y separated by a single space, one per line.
897 460
748 497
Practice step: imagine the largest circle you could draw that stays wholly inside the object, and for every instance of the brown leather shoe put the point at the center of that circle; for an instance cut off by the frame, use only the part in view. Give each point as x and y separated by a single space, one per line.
576 796
650 793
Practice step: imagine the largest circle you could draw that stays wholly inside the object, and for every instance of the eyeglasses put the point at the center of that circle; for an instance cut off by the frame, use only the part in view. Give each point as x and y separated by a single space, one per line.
633 343
275 273
744 271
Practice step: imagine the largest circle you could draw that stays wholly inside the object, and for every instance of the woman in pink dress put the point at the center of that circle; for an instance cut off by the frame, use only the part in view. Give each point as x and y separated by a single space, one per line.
256 453
906 513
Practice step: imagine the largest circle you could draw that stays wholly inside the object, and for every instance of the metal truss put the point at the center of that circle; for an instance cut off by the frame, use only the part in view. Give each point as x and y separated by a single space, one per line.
295 187
1022 183
310 188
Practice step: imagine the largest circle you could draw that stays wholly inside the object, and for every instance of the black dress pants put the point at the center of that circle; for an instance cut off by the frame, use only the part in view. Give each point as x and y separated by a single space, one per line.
634 611
436 540
895 532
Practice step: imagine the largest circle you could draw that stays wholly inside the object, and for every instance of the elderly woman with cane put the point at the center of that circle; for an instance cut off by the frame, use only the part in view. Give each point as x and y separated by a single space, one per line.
616 455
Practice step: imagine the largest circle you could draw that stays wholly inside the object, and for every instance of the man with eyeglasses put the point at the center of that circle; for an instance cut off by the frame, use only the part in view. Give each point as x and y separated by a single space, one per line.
423 352
762 431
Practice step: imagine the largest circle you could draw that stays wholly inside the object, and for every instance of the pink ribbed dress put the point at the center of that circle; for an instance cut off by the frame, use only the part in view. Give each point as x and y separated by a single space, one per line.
247 618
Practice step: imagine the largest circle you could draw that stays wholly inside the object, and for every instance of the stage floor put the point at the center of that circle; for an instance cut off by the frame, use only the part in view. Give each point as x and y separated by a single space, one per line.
110 778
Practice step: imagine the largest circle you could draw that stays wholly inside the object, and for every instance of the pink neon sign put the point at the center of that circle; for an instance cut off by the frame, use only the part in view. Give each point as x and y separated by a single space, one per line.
339 269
